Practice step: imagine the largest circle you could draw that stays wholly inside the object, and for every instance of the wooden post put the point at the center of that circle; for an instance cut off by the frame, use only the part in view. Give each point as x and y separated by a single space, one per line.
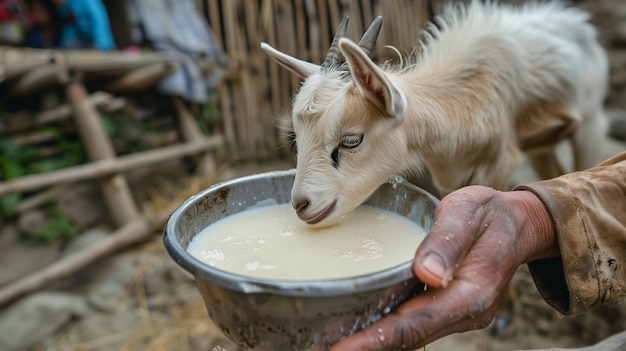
107 167
115 189
206 165
40 77
141 78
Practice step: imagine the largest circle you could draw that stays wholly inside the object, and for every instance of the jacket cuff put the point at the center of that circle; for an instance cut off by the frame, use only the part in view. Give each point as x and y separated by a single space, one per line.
572 288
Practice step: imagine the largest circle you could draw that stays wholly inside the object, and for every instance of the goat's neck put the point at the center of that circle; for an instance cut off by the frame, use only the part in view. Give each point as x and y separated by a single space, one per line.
454 116
441 111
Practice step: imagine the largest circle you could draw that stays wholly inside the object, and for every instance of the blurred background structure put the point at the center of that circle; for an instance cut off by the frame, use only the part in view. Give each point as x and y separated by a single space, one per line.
129 61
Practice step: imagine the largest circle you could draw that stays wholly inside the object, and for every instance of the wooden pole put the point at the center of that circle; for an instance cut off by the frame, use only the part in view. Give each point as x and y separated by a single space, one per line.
206 165
40 198
141 78
38 78
100 99
116 192
107 167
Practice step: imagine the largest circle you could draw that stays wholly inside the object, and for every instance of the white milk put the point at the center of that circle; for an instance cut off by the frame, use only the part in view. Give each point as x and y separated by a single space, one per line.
271 242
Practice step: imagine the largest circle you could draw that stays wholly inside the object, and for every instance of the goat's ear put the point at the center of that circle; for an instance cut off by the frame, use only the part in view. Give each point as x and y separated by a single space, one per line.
371 79
300 68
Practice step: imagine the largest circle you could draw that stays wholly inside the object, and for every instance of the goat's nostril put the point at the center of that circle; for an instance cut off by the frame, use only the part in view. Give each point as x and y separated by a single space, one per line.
300 204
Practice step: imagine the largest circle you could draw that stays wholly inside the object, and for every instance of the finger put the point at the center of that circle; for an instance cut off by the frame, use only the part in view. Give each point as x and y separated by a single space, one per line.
458 224
431 315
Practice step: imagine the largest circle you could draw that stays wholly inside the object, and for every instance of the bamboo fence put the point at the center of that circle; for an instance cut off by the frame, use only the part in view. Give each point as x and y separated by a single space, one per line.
256 91
36 74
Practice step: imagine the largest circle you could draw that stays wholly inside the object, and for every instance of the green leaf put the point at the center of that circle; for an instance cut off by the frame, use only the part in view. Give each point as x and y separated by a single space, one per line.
108 125
47 165
11 169
8 147
58 227
8 204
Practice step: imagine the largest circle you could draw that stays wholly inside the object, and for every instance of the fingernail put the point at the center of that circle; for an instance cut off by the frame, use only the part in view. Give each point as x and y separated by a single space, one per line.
433 263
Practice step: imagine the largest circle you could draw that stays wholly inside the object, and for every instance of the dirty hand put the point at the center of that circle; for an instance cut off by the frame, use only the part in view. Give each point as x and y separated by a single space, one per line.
479 239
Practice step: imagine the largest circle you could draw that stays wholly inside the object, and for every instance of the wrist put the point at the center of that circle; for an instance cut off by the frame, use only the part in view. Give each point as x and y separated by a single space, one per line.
537 235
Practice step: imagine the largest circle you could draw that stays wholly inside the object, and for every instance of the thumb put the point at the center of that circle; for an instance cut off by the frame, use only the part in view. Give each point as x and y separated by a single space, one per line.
458 221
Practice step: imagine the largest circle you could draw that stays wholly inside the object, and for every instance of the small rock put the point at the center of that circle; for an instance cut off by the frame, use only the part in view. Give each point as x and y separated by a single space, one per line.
18 258
87 239
108 297
31 222
36 317
84 276
111 284
9 235
121 324
164 276
82 204
164 282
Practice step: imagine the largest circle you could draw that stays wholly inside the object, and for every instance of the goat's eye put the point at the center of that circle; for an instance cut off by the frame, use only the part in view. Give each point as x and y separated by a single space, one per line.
335 157
351 141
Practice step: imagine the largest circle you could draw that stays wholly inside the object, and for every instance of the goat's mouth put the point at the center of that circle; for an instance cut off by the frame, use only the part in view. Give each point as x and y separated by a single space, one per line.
318 217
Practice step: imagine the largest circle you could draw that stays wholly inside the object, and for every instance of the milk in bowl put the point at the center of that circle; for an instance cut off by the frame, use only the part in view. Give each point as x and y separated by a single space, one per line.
272 242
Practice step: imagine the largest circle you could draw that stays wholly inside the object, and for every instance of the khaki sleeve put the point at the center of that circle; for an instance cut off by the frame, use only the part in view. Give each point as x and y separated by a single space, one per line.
588 210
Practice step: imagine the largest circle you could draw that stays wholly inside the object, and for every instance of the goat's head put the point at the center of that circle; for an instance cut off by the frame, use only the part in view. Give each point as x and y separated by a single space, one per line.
342 117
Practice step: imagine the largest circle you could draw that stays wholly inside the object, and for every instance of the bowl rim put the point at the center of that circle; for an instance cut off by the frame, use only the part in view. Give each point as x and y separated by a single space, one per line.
304 288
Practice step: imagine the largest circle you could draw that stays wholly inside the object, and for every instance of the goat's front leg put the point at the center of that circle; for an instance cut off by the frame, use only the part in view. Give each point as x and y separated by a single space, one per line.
545 163
588 141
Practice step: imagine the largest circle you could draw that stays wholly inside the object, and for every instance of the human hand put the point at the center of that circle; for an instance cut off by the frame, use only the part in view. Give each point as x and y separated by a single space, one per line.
479 239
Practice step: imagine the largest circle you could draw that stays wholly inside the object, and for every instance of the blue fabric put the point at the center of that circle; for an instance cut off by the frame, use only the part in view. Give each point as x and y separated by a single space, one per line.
86 25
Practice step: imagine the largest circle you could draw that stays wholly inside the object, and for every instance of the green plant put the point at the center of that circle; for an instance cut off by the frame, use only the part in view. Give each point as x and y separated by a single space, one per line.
16 161
128 135
209 114
58 227
8 204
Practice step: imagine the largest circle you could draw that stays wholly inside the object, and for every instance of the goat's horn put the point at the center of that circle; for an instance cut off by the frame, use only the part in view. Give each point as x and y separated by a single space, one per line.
371 34
334 56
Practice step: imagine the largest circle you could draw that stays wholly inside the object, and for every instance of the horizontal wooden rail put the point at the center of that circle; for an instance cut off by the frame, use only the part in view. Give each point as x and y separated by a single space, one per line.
108 167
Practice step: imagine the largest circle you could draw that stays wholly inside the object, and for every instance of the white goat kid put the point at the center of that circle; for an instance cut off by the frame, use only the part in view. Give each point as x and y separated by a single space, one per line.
488 83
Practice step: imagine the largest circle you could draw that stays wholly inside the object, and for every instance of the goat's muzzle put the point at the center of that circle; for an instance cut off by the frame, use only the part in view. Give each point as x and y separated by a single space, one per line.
302 204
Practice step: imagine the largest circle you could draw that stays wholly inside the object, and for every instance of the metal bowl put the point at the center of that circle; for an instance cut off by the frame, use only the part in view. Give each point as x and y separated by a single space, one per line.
262 314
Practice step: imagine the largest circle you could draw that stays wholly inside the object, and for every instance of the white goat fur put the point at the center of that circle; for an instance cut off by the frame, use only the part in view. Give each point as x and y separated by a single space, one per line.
490 82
